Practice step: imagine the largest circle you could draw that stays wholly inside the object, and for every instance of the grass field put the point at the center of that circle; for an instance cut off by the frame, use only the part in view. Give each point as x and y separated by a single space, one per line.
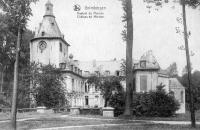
111 125
178 117
57 120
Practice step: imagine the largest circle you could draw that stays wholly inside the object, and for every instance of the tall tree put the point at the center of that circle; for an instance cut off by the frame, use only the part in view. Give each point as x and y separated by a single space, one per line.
108 87
7 39
192 111
194 4
172 70
7 57
49 90
196 86
128 38
18 12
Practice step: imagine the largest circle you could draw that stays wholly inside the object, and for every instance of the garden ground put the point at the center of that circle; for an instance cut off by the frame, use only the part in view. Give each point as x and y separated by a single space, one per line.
60 121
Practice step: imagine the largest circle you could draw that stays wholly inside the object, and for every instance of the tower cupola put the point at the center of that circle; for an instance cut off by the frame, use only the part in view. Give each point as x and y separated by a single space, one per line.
49 9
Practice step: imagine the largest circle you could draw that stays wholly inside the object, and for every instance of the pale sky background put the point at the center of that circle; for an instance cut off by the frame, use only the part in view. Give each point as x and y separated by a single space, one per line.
101 39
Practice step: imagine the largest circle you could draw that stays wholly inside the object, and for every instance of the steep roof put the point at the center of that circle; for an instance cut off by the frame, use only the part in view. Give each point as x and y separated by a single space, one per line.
163 73
48 28
175 84
150 62
111 65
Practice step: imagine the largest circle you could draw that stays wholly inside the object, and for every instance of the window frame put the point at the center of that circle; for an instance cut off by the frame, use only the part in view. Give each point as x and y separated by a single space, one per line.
61 47
143 78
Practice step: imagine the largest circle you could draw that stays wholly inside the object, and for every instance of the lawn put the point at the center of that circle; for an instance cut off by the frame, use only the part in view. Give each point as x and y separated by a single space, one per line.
59 120
177 117
110 124
140 127
7 116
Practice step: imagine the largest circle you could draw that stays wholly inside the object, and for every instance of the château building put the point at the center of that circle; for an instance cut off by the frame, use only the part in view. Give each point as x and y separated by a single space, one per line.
50 47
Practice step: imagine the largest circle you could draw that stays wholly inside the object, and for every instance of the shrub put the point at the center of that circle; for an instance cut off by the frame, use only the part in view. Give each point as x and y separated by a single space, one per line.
154 103
4 104
117 101
50 91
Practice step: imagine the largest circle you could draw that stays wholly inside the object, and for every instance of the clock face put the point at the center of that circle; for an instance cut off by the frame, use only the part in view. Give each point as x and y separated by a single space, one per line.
42 45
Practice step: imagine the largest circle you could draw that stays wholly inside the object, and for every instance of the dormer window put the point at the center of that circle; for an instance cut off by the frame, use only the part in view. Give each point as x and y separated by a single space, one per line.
143 64
87 72
62 65
43 33
97 73
72 67
75 69
107 72
52 24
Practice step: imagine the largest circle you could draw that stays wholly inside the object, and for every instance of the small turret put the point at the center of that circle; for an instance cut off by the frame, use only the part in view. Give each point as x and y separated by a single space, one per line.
49 9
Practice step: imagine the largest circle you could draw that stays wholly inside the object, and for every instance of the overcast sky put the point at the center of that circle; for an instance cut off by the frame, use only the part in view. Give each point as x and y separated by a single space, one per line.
100 38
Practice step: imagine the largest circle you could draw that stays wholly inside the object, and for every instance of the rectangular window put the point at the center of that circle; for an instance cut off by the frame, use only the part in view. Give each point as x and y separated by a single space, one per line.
117 73
134 85
86 87
86 100
143 83
72 84
182 97
71 67
60 47
96 88
107 72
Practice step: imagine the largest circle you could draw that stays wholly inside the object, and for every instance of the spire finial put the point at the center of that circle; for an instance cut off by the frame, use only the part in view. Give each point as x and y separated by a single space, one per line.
49 9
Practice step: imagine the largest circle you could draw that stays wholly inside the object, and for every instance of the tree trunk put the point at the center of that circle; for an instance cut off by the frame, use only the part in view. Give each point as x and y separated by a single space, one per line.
129 46
2 79
192 111
15 84
106 102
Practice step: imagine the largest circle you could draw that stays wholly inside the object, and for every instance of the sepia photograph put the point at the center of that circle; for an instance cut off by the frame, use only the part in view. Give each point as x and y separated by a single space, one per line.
99 64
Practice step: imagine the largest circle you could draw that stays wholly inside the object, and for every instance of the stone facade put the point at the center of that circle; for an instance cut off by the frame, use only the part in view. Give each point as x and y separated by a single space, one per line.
49 47
148 76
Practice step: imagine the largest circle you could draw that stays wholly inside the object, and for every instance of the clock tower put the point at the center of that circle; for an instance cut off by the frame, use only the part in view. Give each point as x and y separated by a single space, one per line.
48 46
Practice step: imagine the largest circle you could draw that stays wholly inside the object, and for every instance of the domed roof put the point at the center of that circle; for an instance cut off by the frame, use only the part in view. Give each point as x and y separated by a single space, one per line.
151 61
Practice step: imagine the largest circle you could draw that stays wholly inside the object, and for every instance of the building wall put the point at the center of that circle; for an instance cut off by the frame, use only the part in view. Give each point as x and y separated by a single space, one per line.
78 87
51 54
180 98
164 81
152 78
94 96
